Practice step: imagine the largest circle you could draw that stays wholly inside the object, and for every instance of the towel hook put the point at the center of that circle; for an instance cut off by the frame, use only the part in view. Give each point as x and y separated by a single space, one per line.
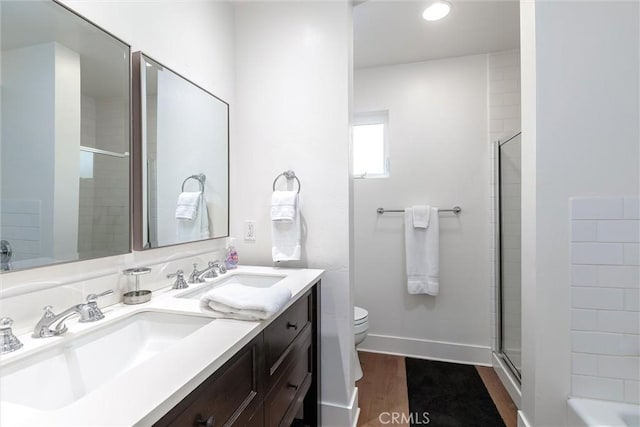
289 175
201 178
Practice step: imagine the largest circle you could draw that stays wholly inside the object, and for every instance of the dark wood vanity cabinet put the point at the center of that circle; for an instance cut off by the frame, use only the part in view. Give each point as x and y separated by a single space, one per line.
272 381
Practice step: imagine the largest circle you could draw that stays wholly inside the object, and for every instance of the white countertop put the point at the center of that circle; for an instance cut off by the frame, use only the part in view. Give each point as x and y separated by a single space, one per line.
143 394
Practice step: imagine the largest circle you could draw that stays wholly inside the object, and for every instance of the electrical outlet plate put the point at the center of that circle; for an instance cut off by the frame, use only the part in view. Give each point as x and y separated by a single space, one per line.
250 230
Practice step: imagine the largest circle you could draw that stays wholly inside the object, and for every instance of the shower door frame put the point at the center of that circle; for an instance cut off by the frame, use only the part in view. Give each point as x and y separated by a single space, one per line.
498 259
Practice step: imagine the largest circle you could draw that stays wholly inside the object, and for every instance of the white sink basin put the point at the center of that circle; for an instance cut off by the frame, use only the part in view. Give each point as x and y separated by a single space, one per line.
248 279
60 375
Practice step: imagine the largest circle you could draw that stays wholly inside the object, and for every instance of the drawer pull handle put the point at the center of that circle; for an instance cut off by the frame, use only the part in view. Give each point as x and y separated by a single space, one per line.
293 386
292 325
208 422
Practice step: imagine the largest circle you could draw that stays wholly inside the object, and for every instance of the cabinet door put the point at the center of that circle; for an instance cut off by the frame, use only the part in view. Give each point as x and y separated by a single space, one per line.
280 334
291 386
230 397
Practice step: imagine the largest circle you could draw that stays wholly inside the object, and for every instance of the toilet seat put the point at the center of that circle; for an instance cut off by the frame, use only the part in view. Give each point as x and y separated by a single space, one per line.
360 315
360 329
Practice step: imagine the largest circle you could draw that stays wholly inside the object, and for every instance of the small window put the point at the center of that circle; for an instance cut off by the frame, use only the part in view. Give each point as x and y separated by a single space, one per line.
370 145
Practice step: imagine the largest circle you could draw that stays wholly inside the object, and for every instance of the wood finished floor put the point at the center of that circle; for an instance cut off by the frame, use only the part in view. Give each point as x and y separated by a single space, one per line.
383 388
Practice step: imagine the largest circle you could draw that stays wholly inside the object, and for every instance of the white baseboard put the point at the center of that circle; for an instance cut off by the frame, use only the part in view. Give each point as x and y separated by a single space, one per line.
508 381
336 415
425 349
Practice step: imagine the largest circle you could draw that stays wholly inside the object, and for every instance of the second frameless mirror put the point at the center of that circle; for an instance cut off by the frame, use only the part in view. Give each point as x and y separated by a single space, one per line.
182 150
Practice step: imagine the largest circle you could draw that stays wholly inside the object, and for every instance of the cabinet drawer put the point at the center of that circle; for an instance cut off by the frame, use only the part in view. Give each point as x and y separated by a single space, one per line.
285 398
280 334
225 399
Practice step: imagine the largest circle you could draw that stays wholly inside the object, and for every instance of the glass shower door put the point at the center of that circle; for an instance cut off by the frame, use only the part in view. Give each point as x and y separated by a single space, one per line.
509 187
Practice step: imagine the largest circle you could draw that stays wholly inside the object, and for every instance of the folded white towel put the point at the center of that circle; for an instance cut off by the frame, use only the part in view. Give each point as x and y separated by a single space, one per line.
187 206
197 229
422 254
285 236
421 216
284 205
243 302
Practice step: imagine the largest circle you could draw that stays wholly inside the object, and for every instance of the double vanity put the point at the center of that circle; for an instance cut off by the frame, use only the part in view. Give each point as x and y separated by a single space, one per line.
169 362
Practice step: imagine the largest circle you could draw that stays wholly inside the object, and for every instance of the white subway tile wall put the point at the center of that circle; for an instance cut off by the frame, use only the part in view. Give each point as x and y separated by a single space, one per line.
104 198
504 122
21 226
605 308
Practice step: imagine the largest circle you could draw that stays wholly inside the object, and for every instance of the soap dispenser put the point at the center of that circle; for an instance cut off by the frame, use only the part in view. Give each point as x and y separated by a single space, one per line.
232 255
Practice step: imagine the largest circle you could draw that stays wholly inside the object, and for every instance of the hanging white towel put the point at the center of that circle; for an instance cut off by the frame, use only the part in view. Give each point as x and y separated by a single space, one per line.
243 302
422 254
197 228
187 206
285 235
284 205
421 216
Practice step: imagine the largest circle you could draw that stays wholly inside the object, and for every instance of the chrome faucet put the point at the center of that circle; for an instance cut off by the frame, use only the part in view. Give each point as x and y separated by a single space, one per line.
88 312
212 271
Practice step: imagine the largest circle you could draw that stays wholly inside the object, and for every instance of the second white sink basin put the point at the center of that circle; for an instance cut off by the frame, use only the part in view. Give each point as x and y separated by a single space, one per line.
247 279
60 375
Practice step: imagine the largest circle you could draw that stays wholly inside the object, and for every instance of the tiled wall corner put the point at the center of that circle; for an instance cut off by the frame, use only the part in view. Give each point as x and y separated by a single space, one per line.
605 314
504 94
503 97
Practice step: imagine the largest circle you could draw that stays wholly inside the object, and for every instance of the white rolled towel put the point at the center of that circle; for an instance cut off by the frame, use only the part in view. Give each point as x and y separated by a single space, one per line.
243 302
284 205
187 205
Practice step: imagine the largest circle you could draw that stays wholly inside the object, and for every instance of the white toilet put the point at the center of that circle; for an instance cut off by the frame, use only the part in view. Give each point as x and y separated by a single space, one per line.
360 328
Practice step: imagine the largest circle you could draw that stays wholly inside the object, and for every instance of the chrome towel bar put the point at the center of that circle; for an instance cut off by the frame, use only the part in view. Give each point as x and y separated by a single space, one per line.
289 175
456 210
201 178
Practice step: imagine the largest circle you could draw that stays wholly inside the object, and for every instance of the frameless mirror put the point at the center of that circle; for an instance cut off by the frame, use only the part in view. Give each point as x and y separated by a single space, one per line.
181 158
65 137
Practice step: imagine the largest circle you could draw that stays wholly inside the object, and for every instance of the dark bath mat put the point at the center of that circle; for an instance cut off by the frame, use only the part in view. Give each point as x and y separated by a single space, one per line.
452 394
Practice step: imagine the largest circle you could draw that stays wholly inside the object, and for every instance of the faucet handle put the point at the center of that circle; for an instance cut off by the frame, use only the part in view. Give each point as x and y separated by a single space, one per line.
222 268
92 298
8 341
193 277
48 312
180 283
90 312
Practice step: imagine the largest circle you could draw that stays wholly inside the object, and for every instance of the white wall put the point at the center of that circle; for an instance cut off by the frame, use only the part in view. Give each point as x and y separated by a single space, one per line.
65 180
580 139
23 84
194 38
439 156
35 79
292 112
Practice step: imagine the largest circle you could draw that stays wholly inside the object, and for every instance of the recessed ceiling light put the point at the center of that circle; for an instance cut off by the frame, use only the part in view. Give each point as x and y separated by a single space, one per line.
437 10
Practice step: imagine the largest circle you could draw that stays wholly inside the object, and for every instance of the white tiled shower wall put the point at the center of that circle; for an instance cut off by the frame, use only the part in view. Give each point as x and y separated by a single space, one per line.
104 199
503 98
605 280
